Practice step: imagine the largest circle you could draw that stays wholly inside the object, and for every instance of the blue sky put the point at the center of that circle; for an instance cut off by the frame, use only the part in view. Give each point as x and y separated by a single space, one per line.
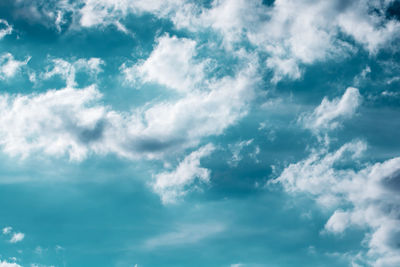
199 133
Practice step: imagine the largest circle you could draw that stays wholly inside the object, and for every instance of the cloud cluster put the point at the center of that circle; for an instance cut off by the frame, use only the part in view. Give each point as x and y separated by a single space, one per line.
293 33
362 195
370 193
15 237
72 121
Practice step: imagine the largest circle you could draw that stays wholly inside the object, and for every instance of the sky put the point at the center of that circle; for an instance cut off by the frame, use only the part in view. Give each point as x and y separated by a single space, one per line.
199 133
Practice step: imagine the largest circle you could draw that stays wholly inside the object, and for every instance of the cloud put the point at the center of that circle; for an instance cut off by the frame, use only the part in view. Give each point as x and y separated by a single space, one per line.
365 196
236 149
9 264
185 235
67 70
170 51
48 13
172 185
17 237
55 122
105 12
9 66
7 230
329 114
6 28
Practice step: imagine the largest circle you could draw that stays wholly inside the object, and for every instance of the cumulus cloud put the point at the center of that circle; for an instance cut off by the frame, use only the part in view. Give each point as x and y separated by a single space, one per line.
17 237
172 185
9 66
5 29
171 64
365 196
330 113
9 264
55 122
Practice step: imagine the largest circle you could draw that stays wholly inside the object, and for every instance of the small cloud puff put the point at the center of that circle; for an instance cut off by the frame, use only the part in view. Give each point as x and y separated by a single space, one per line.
17 237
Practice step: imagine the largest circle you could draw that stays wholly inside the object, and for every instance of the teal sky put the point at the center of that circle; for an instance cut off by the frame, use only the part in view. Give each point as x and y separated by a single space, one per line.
199 133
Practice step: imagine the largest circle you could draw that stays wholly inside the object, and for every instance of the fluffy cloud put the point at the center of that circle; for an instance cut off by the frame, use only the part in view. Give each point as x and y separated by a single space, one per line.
329 114
365 197
7 230
54 122
9 264
171 64
10 66
17 237
172 185
5 28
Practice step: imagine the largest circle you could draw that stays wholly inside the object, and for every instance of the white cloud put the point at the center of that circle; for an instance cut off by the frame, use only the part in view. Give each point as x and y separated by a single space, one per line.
55 122
172 185
9 66
17 237
67 70
171 64
185 235
9 264
7 230
236 149
365 197
6 28
329 114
